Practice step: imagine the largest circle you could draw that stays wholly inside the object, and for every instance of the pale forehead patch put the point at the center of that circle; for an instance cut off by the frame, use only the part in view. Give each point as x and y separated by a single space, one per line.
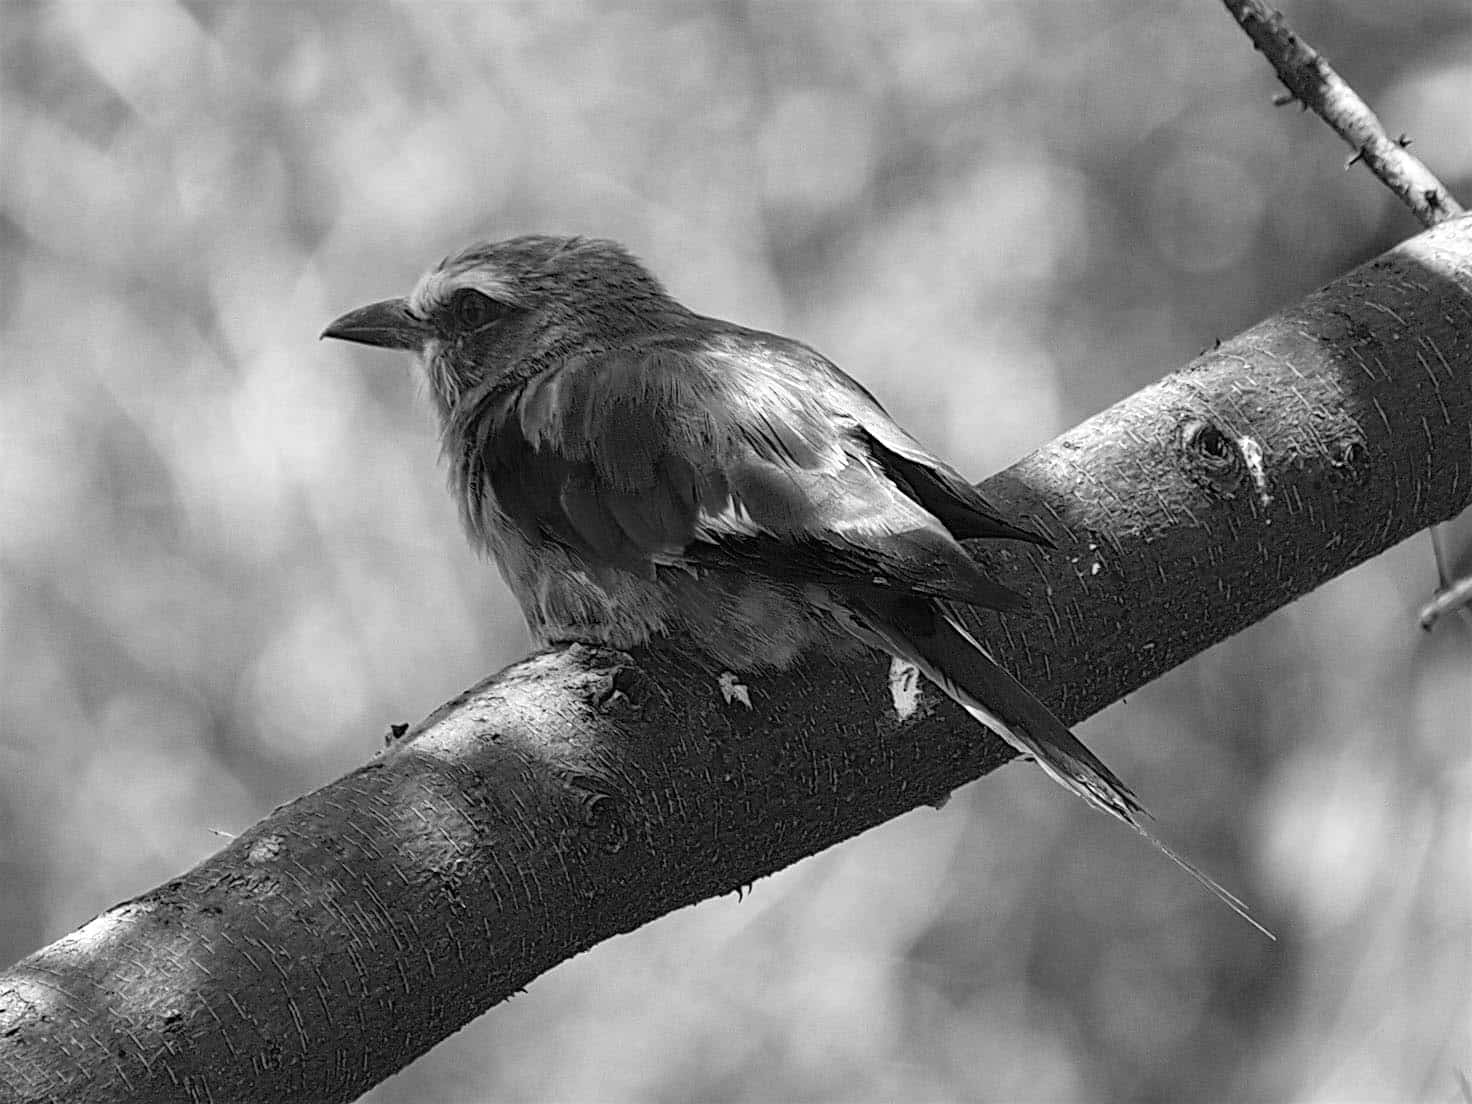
437 285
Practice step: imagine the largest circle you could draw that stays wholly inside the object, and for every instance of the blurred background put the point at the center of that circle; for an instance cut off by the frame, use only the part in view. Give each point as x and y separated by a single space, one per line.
228 560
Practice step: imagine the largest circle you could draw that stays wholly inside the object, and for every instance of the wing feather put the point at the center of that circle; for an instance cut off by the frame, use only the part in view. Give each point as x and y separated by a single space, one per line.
936 485
728 450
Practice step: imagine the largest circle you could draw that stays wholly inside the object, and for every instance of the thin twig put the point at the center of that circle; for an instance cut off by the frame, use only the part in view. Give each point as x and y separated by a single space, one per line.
1457 596
1313 82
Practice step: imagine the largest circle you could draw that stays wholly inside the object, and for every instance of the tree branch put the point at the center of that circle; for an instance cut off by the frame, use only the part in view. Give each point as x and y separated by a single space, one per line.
1315 84
581 793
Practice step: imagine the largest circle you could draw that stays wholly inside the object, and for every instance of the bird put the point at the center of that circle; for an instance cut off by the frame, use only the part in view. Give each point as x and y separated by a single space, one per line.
638 470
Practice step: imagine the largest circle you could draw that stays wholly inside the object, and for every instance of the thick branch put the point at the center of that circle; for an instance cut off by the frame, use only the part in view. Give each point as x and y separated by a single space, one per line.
580 794
1313 82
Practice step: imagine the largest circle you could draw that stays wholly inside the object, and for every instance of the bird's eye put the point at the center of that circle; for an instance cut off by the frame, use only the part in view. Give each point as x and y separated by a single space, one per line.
471 310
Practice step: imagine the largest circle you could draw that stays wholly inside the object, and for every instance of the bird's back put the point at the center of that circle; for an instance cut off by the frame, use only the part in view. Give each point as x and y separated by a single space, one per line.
706 478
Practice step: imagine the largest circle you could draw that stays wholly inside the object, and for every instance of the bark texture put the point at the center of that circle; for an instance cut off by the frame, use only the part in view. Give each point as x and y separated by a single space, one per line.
581 793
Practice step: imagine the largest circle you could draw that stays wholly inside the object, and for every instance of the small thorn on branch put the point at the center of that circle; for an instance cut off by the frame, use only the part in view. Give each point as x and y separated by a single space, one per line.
1356 159
1283 99
1404 141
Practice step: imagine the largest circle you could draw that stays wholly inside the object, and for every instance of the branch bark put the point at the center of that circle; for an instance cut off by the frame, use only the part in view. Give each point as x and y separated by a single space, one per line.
1312 82
581 793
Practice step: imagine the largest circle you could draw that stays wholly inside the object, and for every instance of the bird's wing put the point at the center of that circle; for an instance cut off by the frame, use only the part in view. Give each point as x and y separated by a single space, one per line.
727 449
924 477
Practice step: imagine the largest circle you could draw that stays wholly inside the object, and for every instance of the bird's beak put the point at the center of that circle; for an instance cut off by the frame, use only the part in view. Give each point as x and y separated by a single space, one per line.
387 324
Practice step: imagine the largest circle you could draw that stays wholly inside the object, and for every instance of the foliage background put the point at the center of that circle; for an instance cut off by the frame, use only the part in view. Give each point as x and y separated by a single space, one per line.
228 561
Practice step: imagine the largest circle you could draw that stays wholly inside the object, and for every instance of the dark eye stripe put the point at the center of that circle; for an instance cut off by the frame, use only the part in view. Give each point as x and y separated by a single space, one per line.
469 310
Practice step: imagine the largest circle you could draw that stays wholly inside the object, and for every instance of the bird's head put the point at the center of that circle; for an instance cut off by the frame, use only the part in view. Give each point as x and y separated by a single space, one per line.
497 313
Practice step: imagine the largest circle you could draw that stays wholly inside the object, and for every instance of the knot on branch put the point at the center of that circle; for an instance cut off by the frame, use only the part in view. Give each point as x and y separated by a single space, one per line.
1221 463
601 816
1212 458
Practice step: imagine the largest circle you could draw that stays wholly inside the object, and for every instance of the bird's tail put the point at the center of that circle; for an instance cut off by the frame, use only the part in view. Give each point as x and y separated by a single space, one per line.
953 659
